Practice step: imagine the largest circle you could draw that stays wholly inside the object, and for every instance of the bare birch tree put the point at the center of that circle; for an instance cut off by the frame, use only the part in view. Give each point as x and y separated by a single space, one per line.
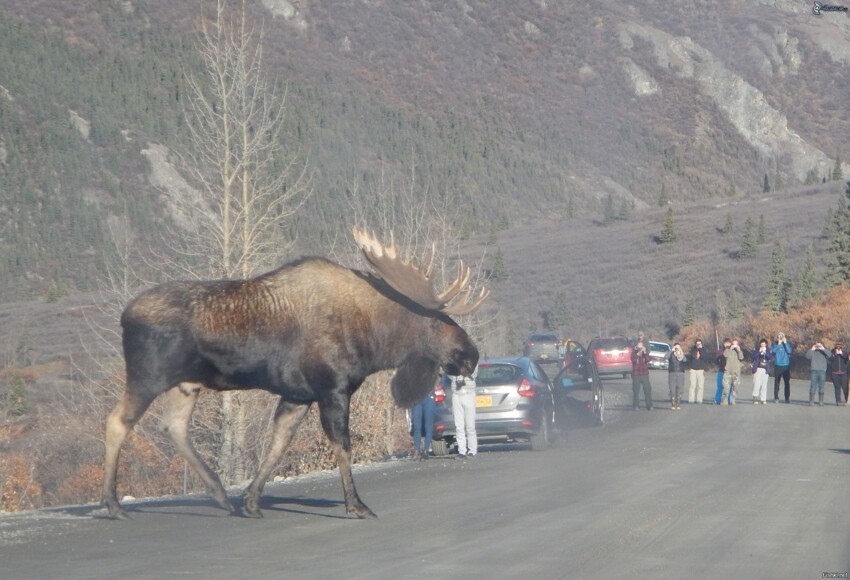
247 185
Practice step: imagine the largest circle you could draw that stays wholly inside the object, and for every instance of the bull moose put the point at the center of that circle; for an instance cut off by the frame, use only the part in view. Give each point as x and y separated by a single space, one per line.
310 331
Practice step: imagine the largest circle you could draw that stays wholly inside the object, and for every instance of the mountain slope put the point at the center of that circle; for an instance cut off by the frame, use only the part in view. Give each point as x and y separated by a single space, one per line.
526 110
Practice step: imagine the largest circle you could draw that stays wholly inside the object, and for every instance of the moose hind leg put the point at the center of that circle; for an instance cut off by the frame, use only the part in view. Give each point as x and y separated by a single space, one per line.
121 421
179 405
287 418
334 413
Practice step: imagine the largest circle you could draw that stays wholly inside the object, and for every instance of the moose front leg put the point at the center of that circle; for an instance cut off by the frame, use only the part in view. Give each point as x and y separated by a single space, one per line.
334 412
287 418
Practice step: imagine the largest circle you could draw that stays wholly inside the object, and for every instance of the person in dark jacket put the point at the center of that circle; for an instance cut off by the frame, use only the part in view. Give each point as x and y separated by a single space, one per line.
676 375
640 376
838 372
762 367
698 361
782 350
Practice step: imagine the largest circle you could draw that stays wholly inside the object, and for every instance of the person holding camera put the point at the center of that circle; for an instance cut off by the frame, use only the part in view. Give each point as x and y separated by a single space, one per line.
838 370
698 360
732 373
463 411
640 376
676 376
762 365
781 349
819 357
720 361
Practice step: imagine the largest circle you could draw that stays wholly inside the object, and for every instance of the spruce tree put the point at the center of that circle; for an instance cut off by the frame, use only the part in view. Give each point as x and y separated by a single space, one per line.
625 210
808 277
837 174
609 213
766 187
16 403
749 248
663 198
729 226
776 298
838 247
668 232
499 270
559 315
762 233
734 311
690 314
812 177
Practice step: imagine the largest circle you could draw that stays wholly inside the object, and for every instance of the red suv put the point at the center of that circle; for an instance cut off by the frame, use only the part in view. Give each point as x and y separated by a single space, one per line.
612 354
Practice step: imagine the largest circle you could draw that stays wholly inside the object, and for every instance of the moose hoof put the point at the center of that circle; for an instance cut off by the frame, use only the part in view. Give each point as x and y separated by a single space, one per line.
363 512
115 511
119 514
225 505
252 508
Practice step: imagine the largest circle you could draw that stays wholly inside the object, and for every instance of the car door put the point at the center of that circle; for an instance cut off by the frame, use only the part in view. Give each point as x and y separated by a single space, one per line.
544 389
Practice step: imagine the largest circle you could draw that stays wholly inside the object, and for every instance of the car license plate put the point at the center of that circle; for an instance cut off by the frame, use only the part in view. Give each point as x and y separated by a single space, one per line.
483 401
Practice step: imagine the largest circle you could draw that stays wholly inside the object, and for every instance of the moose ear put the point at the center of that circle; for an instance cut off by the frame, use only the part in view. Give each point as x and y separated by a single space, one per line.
413 380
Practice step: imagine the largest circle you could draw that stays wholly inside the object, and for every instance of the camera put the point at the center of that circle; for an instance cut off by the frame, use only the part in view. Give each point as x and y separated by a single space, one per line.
460 382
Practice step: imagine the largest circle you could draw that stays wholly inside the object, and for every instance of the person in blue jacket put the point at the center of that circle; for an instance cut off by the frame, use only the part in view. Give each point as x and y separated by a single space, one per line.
782 350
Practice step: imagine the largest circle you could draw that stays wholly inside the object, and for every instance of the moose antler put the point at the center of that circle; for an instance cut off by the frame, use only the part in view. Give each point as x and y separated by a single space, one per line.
412 282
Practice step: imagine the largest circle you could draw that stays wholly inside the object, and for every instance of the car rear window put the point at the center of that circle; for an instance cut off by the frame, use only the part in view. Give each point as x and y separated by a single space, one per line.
543 338
659 347
611 343
497 374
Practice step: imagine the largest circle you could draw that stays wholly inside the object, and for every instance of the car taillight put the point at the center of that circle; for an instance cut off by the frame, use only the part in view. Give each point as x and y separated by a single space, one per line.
439 394
526 389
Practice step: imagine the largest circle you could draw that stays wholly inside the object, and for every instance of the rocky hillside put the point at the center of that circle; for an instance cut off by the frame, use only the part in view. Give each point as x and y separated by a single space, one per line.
528 110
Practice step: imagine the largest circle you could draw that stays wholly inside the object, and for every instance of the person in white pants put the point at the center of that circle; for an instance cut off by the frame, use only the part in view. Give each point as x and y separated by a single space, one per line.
463 410
762 366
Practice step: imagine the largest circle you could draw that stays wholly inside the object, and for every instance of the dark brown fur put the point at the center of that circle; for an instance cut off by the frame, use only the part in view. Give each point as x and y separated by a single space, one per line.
310 332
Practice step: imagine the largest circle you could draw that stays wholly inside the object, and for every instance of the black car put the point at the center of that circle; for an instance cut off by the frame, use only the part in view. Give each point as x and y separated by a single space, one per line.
578 390
514 401
543 347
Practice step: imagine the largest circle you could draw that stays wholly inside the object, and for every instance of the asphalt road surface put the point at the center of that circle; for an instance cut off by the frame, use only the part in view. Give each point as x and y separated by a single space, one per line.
705 492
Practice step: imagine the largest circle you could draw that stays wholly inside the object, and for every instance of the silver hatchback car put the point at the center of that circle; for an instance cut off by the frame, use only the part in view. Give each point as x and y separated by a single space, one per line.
514 401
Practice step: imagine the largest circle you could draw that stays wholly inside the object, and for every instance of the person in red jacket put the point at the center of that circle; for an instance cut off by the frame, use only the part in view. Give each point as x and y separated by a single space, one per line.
640 376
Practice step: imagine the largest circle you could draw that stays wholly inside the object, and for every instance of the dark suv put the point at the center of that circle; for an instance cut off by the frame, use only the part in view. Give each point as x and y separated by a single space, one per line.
542 347
612 355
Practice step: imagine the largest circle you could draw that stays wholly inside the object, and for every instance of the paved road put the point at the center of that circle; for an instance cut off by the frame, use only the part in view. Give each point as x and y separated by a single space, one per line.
706 492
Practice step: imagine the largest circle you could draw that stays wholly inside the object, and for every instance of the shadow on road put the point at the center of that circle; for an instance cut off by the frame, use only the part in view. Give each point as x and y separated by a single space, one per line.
273 503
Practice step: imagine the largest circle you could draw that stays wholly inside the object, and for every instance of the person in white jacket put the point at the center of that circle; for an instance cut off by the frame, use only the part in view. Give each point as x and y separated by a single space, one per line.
463 410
